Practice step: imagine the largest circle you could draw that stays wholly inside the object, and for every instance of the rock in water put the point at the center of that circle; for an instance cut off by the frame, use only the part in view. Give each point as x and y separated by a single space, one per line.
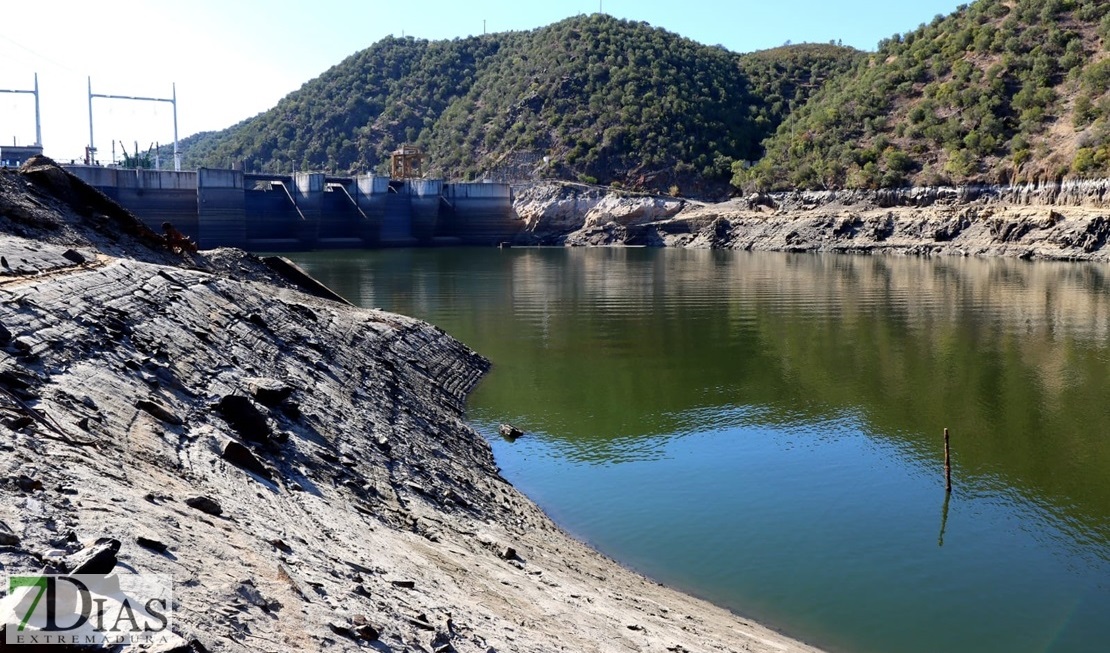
509 432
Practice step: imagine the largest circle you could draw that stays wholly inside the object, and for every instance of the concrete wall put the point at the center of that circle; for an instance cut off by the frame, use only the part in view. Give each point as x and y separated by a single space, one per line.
306 210
310 202
155 196
221 211
341 218
372 185
272 220
103 179
479 214
157 179
371 192
425 200
396 229
214 178
158 196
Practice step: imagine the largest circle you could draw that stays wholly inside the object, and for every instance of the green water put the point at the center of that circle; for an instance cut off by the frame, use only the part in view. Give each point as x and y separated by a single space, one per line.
764 430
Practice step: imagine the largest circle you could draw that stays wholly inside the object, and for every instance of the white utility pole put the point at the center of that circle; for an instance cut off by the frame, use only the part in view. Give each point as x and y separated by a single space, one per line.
38 122
172 100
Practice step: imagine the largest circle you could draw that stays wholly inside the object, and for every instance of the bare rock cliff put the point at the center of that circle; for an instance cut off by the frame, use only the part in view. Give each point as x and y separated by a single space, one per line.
1060 221
574 214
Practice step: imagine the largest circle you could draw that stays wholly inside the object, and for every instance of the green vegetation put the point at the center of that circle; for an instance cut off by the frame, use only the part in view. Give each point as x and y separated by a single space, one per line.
1001 90
138 160
605 100
353 115
784 78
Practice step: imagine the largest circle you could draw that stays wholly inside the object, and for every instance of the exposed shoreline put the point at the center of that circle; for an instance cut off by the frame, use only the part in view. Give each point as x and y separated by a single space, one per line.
1069 221
357 509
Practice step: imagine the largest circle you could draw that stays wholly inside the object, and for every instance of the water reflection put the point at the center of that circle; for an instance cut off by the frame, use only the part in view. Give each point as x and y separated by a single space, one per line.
600 348
808 394
944 517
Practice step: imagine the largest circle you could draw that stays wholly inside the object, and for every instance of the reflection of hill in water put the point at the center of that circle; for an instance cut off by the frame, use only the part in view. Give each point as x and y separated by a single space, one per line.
600 348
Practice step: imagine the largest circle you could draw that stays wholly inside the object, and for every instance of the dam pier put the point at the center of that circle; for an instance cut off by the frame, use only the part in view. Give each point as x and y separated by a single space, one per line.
309 210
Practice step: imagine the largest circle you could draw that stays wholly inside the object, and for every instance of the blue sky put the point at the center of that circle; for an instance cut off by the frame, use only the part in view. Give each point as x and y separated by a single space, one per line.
231 59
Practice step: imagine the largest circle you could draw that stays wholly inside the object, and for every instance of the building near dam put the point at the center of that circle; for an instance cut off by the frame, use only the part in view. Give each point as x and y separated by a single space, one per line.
13 156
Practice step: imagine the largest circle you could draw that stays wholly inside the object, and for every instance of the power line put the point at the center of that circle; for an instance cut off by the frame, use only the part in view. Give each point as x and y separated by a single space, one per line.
38 54
171 100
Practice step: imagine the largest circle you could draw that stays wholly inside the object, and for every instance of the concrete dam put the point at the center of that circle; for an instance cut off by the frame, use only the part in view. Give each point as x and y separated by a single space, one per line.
309 210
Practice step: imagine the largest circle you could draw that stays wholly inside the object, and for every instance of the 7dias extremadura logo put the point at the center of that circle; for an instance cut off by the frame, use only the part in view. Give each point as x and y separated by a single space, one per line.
85 609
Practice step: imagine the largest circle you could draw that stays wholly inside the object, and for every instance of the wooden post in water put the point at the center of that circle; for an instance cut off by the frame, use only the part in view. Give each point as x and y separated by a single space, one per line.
947 465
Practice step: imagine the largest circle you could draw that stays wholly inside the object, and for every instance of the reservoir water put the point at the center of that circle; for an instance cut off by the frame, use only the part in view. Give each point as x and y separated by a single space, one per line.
765 430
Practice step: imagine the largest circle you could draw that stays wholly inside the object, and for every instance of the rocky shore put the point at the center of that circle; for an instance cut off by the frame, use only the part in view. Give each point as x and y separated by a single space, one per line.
300 467
1056 221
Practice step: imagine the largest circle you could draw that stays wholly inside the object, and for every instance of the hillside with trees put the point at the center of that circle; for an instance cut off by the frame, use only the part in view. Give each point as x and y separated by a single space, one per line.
349 118
602 99
1000 91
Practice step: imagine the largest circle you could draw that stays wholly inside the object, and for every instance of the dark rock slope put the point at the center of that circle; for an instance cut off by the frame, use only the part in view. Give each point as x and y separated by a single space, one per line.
299 467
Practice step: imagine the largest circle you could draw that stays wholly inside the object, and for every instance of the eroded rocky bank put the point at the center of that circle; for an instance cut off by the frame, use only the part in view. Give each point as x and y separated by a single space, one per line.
1066 221
300 467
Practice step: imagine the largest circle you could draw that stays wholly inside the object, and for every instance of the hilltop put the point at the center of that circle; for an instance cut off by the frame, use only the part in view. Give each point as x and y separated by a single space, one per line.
999 91
606 100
